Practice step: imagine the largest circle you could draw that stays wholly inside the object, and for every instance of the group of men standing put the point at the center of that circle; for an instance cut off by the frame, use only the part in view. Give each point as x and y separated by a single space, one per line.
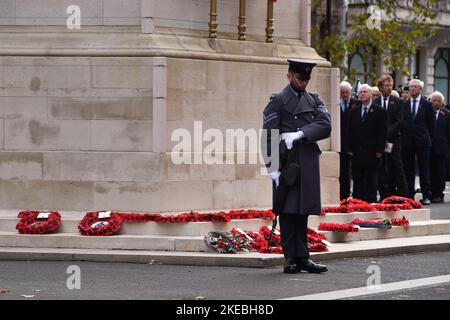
382 138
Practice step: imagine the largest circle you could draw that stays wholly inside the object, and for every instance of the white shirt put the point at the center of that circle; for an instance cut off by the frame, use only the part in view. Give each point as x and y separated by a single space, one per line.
366 107
343 104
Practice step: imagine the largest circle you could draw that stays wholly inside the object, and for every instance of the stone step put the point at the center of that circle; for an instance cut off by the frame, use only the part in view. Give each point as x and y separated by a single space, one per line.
416 228
411 215
70 221
359 249
196 243
156 229
118 242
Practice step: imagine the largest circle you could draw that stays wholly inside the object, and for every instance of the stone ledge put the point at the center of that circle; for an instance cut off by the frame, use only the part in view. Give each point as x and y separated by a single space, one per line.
167 42
417 228
411 215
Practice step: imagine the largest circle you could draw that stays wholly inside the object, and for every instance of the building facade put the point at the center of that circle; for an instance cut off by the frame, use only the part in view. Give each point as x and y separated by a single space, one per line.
431 63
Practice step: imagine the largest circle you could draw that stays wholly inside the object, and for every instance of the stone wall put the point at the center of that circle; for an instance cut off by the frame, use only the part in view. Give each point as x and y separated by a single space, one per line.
53 12
187 14
104 102
86 116
77 133
233 95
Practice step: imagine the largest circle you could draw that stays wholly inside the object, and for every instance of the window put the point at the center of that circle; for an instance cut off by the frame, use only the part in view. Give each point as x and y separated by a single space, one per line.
441 72
415 66
356 62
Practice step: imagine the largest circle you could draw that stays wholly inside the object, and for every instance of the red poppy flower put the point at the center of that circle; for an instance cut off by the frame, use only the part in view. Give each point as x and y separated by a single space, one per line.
38 222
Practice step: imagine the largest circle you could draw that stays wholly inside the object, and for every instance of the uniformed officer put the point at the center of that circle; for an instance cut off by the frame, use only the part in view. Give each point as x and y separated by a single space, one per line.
301 118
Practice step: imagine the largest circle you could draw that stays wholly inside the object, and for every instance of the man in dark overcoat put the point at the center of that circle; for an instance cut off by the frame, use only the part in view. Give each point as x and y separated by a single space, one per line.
418 128
301 119
347 104
368 134
440 147
391 176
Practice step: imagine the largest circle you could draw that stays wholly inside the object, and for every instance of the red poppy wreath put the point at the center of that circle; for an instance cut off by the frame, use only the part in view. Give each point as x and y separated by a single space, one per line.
38 222
402 201
100 223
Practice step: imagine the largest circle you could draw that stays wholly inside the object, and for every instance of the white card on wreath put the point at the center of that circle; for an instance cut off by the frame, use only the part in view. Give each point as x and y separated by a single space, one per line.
244 233
104 215
43 215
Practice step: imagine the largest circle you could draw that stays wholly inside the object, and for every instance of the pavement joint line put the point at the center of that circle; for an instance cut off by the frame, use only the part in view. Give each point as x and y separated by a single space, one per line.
375 290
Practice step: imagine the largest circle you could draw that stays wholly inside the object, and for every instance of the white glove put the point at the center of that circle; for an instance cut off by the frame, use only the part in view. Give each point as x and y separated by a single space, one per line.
290 137
276 177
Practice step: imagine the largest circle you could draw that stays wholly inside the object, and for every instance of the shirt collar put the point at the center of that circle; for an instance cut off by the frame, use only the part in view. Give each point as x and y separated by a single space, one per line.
417 99
294 91
367 106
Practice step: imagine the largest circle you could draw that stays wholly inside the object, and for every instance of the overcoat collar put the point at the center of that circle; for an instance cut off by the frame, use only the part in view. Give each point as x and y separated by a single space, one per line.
295 105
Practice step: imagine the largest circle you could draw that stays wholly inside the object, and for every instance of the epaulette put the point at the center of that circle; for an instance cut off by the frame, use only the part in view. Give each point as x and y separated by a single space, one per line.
272 96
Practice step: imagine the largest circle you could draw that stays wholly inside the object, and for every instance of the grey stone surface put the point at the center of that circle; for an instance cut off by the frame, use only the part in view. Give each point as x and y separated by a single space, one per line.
101 166
121 135
38 134
46 195
21 165
100 108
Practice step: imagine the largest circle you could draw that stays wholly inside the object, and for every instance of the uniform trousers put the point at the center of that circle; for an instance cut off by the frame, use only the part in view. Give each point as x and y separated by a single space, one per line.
294 235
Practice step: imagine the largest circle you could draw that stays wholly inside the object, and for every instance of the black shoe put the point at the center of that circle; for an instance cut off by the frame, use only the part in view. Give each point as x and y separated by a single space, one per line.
291 266
437 200
425 201
310 266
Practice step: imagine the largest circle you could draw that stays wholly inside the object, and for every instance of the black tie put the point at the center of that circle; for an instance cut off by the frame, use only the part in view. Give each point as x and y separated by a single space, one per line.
364 113
385 104
345 106
414 109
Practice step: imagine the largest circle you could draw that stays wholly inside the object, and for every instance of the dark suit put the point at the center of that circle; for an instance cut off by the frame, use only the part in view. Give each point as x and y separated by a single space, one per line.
416 139
344 164
391 176
439 153
367 138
